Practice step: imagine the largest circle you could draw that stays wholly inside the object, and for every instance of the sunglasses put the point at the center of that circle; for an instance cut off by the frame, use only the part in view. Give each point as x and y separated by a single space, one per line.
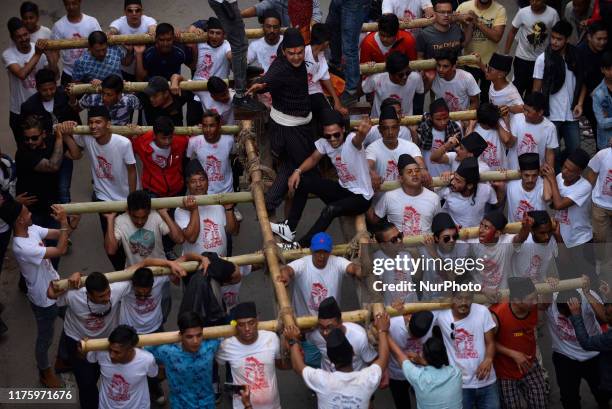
452 334
32 138
446 238
99 314
335 135
397 238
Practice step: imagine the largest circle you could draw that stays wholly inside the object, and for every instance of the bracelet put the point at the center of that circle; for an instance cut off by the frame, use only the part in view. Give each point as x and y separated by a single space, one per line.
298 170
64 229
231 209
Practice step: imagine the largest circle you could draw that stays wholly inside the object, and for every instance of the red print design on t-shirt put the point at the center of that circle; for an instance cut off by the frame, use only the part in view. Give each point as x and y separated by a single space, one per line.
528 144
254 374
213 169
436 144
534 267
562 216
395 96
159 160
207 64
490 155
464 345
413 345
491 274
93 323
272 58
318 292
565 329
104 169
212 236
75 53
523 206
391 173
310 79
119 389
343 173
230 298
411 223
452 101
145 305
408 15
607 186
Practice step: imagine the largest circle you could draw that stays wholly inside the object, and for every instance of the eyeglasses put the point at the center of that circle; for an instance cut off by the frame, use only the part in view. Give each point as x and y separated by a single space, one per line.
446 238
335 135
99 314
452 334
412 171
32 138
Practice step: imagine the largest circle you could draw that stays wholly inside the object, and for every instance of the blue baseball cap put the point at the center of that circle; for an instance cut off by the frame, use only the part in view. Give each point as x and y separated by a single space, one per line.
321 241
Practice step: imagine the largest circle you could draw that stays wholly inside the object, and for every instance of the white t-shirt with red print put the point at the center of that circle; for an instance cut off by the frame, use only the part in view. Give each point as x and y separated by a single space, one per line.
20 90
531 138
497 261
494 154
263 54
454 163
575 221
410 214
383 88
160 155
386 159
84 318
311 285
125 385
401 336
143 314
456 92
535 260
521 201
212 235
212 61
351 165
396 275
231 292
215 159
463 210
254 365
108 165
601 164
141 243
64 29
562 333
374 135
405 9
466 347
356 335
316 70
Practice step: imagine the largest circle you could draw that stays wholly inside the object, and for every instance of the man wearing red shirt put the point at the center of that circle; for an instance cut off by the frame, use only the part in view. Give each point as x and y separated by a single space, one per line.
389 38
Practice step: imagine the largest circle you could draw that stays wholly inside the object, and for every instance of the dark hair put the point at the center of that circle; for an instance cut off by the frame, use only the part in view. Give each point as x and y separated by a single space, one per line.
488 114
595 27
562 27
14 24
390 101
606 60
388 24
434 352
124 335
28 7
216 85
44 76
382 226
143 277
449 55
113 82
190 319
208 113
319 34
163 28
32 122
436 2
96 282
97 37
562 299
138 200
163 125
536 100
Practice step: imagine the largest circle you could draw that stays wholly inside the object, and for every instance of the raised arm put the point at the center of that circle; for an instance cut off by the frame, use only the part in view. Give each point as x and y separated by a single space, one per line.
60 234
382 323
53 164
111 244
175 233
192 231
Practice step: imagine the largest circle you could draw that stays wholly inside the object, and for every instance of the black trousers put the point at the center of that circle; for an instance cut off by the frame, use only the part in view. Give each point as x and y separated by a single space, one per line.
400 391
339 202
15 125
85 373
570 373
523 75
479 76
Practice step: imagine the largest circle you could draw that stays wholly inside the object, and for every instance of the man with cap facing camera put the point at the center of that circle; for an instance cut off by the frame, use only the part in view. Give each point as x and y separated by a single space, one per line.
346 387
253 356
329 319
399 81
520 375
465 197
526 194
349 196
502 92
470 145
411 207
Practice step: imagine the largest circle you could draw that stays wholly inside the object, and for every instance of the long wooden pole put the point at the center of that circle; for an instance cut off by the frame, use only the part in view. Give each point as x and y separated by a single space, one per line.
190 38
417 65
289 255
139 130
311 321
129 86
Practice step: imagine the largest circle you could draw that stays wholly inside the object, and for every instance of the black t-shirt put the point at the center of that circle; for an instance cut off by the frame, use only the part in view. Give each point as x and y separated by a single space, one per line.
589 64
165 65
43 185
174 110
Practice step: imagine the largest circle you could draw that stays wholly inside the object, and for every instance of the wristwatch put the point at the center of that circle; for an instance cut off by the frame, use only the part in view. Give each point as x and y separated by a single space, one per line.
292 342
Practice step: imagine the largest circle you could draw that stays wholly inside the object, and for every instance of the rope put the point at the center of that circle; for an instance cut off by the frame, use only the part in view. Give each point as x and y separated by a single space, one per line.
354 245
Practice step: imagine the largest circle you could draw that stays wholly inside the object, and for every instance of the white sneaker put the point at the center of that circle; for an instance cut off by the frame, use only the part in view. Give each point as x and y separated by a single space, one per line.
294 245
283 230
237 214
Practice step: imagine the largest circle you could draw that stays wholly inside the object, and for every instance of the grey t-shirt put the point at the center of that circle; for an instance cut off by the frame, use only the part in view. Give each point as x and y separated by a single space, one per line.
431 41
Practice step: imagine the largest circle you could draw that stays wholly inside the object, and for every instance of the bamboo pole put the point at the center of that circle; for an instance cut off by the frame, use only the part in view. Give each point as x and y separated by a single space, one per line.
130 86
259 258
408 120
190 38
246 197
311 321
417 65
139 130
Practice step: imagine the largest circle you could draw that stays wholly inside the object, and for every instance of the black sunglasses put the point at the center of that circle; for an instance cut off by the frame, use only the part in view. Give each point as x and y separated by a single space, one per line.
32 138
335 135
448 238
452 335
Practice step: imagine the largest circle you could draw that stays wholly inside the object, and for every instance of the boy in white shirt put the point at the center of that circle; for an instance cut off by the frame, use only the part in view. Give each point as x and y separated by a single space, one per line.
219 99
30 15
375 133
599 174
493 127
264 50
471 145
124 370
556 75
527 194
399 82
502 92
458 87
407 11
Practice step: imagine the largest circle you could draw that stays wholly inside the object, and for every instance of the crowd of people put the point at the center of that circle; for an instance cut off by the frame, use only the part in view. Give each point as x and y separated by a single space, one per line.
535 105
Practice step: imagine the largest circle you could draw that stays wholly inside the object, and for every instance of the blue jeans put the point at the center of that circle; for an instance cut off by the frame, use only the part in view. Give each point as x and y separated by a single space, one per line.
481 398
45 322
569 131
65 180
312 355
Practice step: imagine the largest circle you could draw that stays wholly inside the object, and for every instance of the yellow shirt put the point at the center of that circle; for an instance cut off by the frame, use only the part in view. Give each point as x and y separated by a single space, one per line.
495 15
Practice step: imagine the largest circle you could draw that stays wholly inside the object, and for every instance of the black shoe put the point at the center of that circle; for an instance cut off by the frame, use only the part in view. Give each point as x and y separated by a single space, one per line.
348 99
248 104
